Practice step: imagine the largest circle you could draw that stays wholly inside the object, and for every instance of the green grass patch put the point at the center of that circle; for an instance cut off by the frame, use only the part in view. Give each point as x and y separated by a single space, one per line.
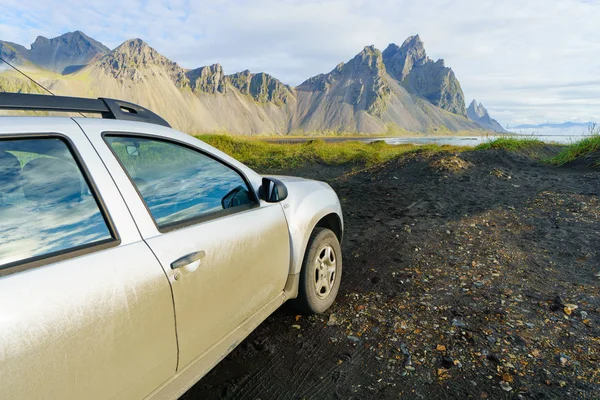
583 148
510 144
261 154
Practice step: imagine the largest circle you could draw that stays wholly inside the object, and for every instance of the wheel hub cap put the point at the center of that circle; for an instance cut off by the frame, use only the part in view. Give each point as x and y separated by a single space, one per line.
325 271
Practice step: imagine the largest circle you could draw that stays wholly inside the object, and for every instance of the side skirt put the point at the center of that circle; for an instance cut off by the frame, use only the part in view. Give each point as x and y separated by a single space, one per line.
194 371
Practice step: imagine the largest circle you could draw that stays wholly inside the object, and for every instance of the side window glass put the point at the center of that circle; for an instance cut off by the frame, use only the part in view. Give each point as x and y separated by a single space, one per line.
179 184
46 206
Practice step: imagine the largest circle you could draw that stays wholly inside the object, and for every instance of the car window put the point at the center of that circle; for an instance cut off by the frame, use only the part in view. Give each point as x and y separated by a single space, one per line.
46 206
177 183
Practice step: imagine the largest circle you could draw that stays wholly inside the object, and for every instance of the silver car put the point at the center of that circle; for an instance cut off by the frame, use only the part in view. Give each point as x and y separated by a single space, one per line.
134 257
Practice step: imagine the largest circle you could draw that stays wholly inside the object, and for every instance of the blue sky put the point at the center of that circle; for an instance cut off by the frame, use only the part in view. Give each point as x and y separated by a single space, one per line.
528 61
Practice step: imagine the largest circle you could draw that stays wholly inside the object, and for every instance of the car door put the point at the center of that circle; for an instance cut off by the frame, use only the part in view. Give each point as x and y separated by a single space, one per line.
226 253
85 308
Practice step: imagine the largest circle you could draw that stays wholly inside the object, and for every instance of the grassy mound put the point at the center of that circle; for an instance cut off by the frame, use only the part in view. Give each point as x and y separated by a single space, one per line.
266 155
586 150
510 144
261 154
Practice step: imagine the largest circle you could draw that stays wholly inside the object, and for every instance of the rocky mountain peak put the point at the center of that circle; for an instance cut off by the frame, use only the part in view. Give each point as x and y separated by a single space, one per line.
368 52
477 109
362 79
479 114
410 65
400 60
138 52
69 40
369 58
131 57
262 87
413 42
210 79
65 53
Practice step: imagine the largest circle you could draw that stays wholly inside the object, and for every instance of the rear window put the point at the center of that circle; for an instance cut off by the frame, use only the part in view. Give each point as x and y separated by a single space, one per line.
46 205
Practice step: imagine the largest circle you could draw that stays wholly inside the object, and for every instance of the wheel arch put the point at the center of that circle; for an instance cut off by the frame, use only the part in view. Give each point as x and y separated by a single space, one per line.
333 222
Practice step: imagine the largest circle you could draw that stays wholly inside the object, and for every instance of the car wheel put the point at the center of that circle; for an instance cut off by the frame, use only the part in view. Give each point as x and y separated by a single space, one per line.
321 273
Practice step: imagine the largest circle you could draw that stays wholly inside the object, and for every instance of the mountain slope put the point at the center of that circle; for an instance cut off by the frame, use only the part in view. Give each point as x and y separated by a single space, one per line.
63 54
479 114
13 53
193 100
434 81
364 95
361 96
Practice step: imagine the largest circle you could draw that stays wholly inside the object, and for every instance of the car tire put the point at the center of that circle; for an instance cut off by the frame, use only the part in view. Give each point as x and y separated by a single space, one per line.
321 273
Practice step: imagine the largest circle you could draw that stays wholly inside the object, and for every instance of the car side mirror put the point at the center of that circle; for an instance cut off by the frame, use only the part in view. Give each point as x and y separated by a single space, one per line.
272 190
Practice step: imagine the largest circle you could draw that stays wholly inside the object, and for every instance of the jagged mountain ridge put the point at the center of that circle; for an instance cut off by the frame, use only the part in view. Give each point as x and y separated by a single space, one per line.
478 113
363 95
63 54
411 66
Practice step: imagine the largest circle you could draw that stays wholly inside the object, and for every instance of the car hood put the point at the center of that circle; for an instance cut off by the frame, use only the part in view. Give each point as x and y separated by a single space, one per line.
295 180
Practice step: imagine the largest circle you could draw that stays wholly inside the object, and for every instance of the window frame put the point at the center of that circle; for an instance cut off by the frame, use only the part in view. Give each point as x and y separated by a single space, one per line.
193 220
72 252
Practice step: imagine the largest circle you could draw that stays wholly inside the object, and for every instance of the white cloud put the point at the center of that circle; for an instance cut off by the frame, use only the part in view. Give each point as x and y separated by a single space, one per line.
526 61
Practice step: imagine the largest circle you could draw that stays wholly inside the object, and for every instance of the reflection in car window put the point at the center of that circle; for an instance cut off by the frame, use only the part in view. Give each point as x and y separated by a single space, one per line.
177 183
45 203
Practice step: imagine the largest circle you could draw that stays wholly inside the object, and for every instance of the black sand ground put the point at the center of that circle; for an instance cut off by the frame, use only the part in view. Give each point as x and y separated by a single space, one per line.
476 276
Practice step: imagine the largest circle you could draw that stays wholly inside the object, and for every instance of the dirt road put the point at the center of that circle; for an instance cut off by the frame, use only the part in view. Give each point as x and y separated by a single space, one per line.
476 276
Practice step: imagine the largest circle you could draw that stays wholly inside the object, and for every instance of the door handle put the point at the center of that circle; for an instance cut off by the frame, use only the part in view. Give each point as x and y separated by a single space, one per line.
188 259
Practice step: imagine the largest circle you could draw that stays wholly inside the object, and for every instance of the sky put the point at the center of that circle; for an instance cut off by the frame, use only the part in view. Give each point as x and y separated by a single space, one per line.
531 61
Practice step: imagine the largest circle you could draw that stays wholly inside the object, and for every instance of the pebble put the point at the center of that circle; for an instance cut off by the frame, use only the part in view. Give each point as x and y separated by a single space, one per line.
353 338
332 320
296 326
404 349
448 362
458 323
505 386
569 308
563 361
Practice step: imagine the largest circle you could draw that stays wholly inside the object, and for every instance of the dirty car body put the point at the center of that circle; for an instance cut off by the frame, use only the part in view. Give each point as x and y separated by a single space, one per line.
134 257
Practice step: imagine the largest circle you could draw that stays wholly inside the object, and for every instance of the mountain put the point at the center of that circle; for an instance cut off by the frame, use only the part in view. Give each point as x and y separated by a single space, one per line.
62 54
398 90
13 53
361 96
410 65
564 125
478 113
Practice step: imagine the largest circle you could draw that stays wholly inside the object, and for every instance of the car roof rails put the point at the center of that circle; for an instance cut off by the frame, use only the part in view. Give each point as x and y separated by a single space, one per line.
108 108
